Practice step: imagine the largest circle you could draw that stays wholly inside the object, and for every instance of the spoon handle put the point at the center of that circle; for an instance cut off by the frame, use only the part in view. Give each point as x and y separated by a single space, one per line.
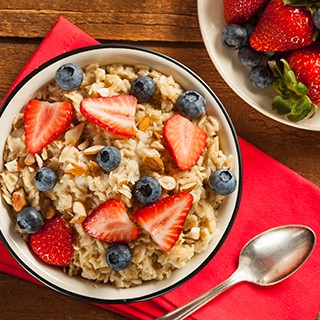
187 309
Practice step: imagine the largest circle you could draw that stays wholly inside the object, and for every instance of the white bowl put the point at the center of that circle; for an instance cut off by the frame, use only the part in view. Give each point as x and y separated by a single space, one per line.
211 20
107 54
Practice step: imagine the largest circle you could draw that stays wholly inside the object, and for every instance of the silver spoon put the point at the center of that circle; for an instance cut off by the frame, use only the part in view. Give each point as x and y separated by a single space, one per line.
267 259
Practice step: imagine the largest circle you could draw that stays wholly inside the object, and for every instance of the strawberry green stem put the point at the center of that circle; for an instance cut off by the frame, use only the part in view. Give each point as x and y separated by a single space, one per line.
302 3
292 96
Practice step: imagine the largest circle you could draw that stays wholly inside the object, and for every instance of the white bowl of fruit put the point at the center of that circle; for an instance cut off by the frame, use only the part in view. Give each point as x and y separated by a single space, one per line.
268 53
120 174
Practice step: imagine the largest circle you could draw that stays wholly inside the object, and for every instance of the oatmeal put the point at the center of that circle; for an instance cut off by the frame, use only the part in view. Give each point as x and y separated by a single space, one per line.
84 187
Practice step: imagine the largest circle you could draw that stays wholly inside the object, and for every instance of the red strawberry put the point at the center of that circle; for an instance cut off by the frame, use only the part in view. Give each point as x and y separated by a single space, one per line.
110 222
164 219
53 243
115 114
282 28
241 11
44 122
298 83
305 63
185 140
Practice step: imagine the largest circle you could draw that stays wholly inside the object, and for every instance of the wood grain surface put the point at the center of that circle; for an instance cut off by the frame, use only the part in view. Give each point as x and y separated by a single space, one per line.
170 27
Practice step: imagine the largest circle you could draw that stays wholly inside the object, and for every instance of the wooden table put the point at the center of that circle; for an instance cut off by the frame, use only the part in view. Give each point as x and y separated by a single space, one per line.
170 27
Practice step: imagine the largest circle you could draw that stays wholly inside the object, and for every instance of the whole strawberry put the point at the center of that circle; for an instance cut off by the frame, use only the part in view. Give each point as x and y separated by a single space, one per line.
283 28
298 83
53 243
305 63
242 11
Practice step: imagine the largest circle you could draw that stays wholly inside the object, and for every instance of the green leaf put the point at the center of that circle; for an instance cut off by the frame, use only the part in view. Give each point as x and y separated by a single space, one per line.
281 105
301 106
292 96
302 3
295 118
300 89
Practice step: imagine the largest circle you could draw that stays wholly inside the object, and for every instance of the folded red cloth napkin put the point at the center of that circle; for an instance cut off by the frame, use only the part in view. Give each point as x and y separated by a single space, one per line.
273 195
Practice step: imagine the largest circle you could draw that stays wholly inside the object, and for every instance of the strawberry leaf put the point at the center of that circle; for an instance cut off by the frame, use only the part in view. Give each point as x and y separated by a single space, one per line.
292 96
302 3
281 105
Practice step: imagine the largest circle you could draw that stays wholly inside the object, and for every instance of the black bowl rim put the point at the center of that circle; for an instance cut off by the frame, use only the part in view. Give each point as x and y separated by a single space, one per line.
223 238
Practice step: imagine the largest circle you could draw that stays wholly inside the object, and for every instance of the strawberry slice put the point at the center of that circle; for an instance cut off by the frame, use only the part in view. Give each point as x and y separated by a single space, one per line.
110 222
164 219
185 140
115 113
44 122
53 243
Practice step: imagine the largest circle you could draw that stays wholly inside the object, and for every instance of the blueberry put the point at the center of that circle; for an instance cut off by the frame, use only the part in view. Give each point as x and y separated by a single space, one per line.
316 18
249 57
147 190
118 256
29 220
45 179
191 104
143 88
222 182
69 76
109 158
261 77
234 36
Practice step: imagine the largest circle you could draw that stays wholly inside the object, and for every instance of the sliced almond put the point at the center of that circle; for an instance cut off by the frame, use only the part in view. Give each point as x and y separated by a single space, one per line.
83 145
144 124
157 145
73 135
157 135
19 200
188 187
50 212
39 161
167 182
154 163
93 150
125 190
30 159
94 168
80 212
121 183
79 208
103 92
44 154
12 166
77 171
59 144
194 233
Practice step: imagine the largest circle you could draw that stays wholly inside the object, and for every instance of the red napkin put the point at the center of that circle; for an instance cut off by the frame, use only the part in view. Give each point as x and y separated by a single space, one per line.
273 195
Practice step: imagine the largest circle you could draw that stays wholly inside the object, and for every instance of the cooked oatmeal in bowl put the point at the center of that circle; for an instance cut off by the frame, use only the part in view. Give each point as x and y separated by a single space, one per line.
116 173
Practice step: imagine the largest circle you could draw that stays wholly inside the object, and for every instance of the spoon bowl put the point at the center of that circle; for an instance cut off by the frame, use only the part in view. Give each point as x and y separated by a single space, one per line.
267 259
274 255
